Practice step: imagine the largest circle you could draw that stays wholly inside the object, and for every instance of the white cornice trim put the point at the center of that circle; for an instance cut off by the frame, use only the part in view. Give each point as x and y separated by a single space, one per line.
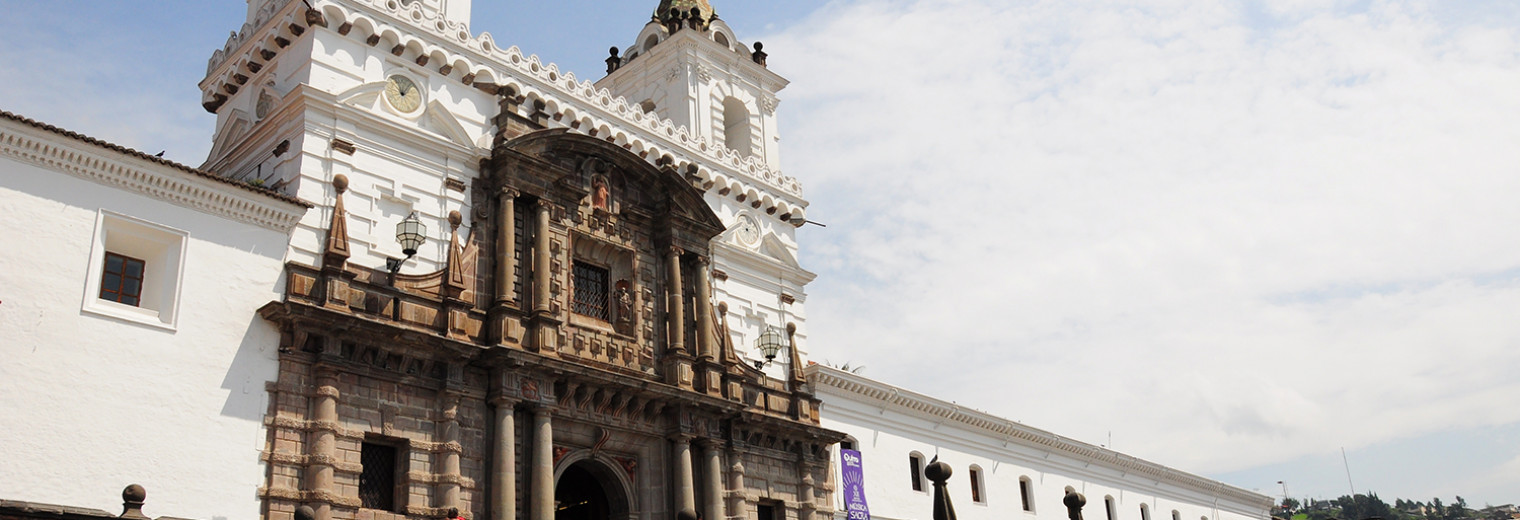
28 144
919 405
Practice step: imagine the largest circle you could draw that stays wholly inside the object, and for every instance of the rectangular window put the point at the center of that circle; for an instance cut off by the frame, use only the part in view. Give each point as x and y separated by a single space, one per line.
1024 494
766 511
976 485
915 465
121 280
377 479
591 291
138 267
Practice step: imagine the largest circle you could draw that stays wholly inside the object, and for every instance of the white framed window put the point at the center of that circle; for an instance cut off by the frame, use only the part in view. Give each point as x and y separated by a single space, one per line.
133 256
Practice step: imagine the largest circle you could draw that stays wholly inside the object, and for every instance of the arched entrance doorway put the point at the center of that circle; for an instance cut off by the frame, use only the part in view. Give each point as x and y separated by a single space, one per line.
586 491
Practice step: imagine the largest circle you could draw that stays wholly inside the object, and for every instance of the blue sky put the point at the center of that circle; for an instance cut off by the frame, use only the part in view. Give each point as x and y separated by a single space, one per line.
1238 236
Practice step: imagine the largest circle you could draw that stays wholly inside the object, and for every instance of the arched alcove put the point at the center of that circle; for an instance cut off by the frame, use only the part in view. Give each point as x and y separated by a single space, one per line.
736 129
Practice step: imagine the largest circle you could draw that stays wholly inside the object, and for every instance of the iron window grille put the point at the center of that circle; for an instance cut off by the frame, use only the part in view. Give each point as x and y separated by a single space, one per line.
591 294
377 479
122 279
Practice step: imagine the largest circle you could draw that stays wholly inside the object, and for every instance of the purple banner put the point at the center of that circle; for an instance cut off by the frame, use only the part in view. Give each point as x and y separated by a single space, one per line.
854 478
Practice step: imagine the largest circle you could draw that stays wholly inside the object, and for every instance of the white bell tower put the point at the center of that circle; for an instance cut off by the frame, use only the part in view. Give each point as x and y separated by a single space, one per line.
687 66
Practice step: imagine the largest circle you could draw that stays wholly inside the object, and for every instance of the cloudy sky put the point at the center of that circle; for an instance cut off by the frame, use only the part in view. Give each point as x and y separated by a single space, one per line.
1233 237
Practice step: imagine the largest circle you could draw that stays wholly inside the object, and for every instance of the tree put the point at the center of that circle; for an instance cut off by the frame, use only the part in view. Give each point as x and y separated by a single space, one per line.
1290 504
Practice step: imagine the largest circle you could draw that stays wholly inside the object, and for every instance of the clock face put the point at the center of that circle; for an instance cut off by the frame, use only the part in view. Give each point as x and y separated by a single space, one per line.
403 94
748 232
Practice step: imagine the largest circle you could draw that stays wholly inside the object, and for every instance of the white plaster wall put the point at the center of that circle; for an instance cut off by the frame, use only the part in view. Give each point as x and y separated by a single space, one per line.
92 404
886 437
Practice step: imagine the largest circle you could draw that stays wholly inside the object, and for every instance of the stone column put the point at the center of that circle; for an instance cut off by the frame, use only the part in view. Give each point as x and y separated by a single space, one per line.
705 347
676 308
324 442
541 496
806 501
448 460
506 245
686 496
712 465
736 486
504 462
541 260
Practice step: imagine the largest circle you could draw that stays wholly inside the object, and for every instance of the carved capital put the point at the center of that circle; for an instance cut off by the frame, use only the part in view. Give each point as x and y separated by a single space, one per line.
508 192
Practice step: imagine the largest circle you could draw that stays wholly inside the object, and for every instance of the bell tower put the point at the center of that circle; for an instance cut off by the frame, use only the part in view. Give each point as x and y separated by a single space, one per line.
686 65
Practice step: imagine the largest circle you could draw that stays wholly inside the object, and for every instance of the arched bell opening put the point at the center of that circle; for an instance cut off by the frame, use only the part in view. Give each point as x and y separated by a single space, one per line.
589 489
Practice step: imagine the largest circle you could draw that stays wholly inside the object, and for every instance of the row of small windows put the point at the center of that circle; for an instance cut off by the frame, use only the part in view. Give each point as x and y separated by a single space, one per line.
916 466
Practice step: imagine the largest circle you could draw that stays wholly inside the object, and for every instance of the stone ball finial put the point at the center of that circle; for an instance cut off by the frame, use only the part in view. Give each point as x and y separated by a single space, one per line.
132 499
791 328
340 183
686 514
722 307
759 46
455 218
938 472
306 513
134 493
613 52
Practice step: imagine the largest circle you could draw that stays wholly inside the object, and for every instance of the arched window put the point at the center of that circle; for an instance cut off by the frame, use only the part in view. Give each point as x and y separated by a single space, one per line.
976 484
1108 507
916 470
736 131
1176 515
1026 493
721 39
1145 512
650 42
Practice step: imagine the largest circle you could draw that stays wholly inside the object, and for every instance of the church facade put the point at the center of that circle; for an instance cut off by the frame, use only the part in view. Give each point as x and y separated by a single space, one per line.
421 274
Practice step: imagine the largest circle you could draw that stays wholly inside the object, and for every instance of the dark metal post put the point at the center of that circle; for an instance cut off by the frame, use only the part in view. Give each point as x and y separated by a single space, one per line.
939 472
1074 502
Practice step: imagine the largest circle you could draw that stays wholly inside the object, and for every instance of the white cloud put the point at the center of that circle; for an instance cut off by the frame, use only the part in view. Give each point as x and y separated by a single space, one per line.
1230 242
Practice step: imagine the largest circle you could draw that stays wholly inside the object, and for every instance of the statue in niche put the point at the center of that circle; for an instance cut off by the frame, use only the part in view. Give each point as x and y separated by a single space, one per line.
623 297
599 195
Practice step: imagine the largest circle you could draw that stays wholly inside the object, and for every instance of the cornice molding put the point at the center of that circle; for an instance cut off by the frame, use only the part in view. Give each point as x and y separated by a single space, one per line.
478 57
58 150
918 405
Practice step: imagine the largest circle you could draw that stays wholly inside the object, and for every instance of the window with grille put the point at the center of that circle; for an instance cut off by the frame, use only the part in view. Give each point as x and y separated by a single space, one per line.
121 280
377 479
591 294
